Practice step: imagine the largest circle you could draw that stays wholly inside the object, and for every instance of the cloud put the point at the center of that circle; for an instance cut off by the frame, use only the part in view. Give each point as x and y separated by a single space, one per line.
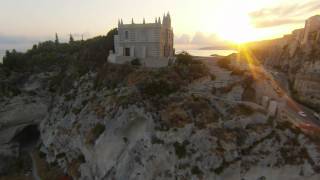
183 39
284 14
277 22
199 40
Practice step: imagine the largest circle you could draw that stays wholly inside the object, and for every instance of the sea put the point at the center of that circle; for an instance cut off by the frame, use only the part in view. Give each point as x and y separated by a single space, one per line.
208 53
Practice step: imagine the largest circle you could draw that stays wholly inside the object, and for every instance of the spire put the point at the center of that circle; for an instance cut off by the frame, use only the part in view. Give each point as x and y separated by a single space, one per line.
159 20
168 20
119 22
155 20
144 21
132 21
164 19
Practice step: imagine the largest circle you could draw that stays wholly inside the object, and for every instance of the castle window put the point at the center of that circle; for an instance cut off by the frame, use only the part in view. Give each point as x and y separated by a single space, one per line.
127 51
126 34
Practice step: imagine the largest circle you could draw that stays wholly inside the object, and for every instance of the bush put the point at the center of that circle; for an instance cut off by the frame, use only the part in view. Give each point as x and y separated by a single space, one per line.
190 69
224 63
237 72
159 88
180 149
81 55
136 62
184 58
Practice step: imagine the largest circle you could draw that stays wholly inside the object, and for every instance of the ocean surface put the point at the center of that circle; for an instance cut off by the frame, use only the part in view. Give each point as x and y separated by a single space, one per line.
207 53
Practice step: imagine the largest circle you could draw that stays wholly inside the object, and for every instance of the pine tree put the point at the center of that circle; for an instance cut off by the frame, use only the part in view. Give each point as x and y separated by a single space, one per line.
71 40
57 39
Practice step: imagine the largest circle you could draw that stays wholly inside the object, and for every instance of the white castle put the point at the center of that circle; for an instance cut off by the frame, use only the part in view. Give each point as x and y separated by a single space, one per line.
151 43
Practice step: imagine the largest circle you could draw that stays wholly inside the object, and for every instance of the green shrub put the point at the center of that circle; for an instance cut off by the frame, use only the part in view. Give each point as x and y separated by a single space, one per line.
159 88
76 111
61 155
180 149
184 58
136 62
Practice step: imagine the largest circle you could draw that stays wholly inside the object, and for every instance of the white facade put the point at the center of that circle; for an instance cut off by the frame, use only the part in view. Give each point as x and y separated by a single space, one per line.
151 43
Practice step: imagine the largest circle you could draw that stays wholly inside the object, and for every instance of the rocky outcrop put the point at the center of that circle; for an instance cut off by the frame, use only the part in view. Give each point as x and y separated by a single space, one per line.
28 104
103 134
297 54
134 123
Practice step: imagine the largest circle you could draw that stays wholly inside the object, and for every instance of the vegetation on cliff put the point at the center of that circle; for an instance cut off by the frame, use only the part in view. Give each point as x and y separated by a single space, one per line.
50 54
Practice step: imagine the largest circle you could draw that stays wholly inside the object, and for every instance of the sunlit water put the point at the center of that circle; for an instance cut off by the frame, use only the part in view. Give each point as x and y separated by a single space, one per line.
208 53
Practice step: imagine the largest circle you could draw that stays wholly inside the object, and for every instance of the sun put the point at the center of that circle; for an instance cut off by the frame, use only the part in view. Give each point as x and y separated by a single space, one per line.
233 23
238 30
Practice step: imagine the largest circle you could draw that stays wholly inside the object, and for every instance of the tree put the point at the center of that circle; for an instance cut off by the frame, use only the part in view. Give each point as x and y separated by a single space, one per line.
57 39
71 40
34 47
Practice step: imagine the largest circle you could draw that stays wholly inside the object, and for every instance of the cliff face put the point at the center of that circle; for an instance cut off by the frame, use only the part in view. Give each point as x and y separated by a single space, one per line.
135 123
123 133
297 54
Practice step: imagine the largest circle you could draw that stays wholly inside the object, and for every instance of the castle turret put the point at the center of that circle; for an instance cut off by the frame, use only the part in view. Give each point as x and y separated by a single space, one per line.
166 20
169 20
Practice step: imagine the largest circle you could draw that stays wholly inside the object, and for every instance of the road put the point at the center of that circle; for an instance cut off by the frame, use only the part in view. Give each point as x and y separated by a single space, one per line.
282 84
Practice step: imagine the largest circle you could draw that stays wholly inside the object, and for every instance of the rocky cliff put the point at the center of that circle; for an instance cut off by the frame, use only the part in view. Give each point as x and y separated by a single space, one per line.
128 122
297 54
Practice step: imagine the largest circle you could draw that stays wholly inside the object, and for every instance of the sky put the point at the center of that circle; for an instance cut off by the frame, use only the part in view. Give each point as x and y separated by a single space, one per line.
195 22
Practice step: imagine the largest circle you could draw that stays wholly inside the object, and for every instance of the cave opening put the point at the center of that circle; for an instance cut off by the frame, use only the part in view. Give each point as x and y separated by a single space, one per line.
29 136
